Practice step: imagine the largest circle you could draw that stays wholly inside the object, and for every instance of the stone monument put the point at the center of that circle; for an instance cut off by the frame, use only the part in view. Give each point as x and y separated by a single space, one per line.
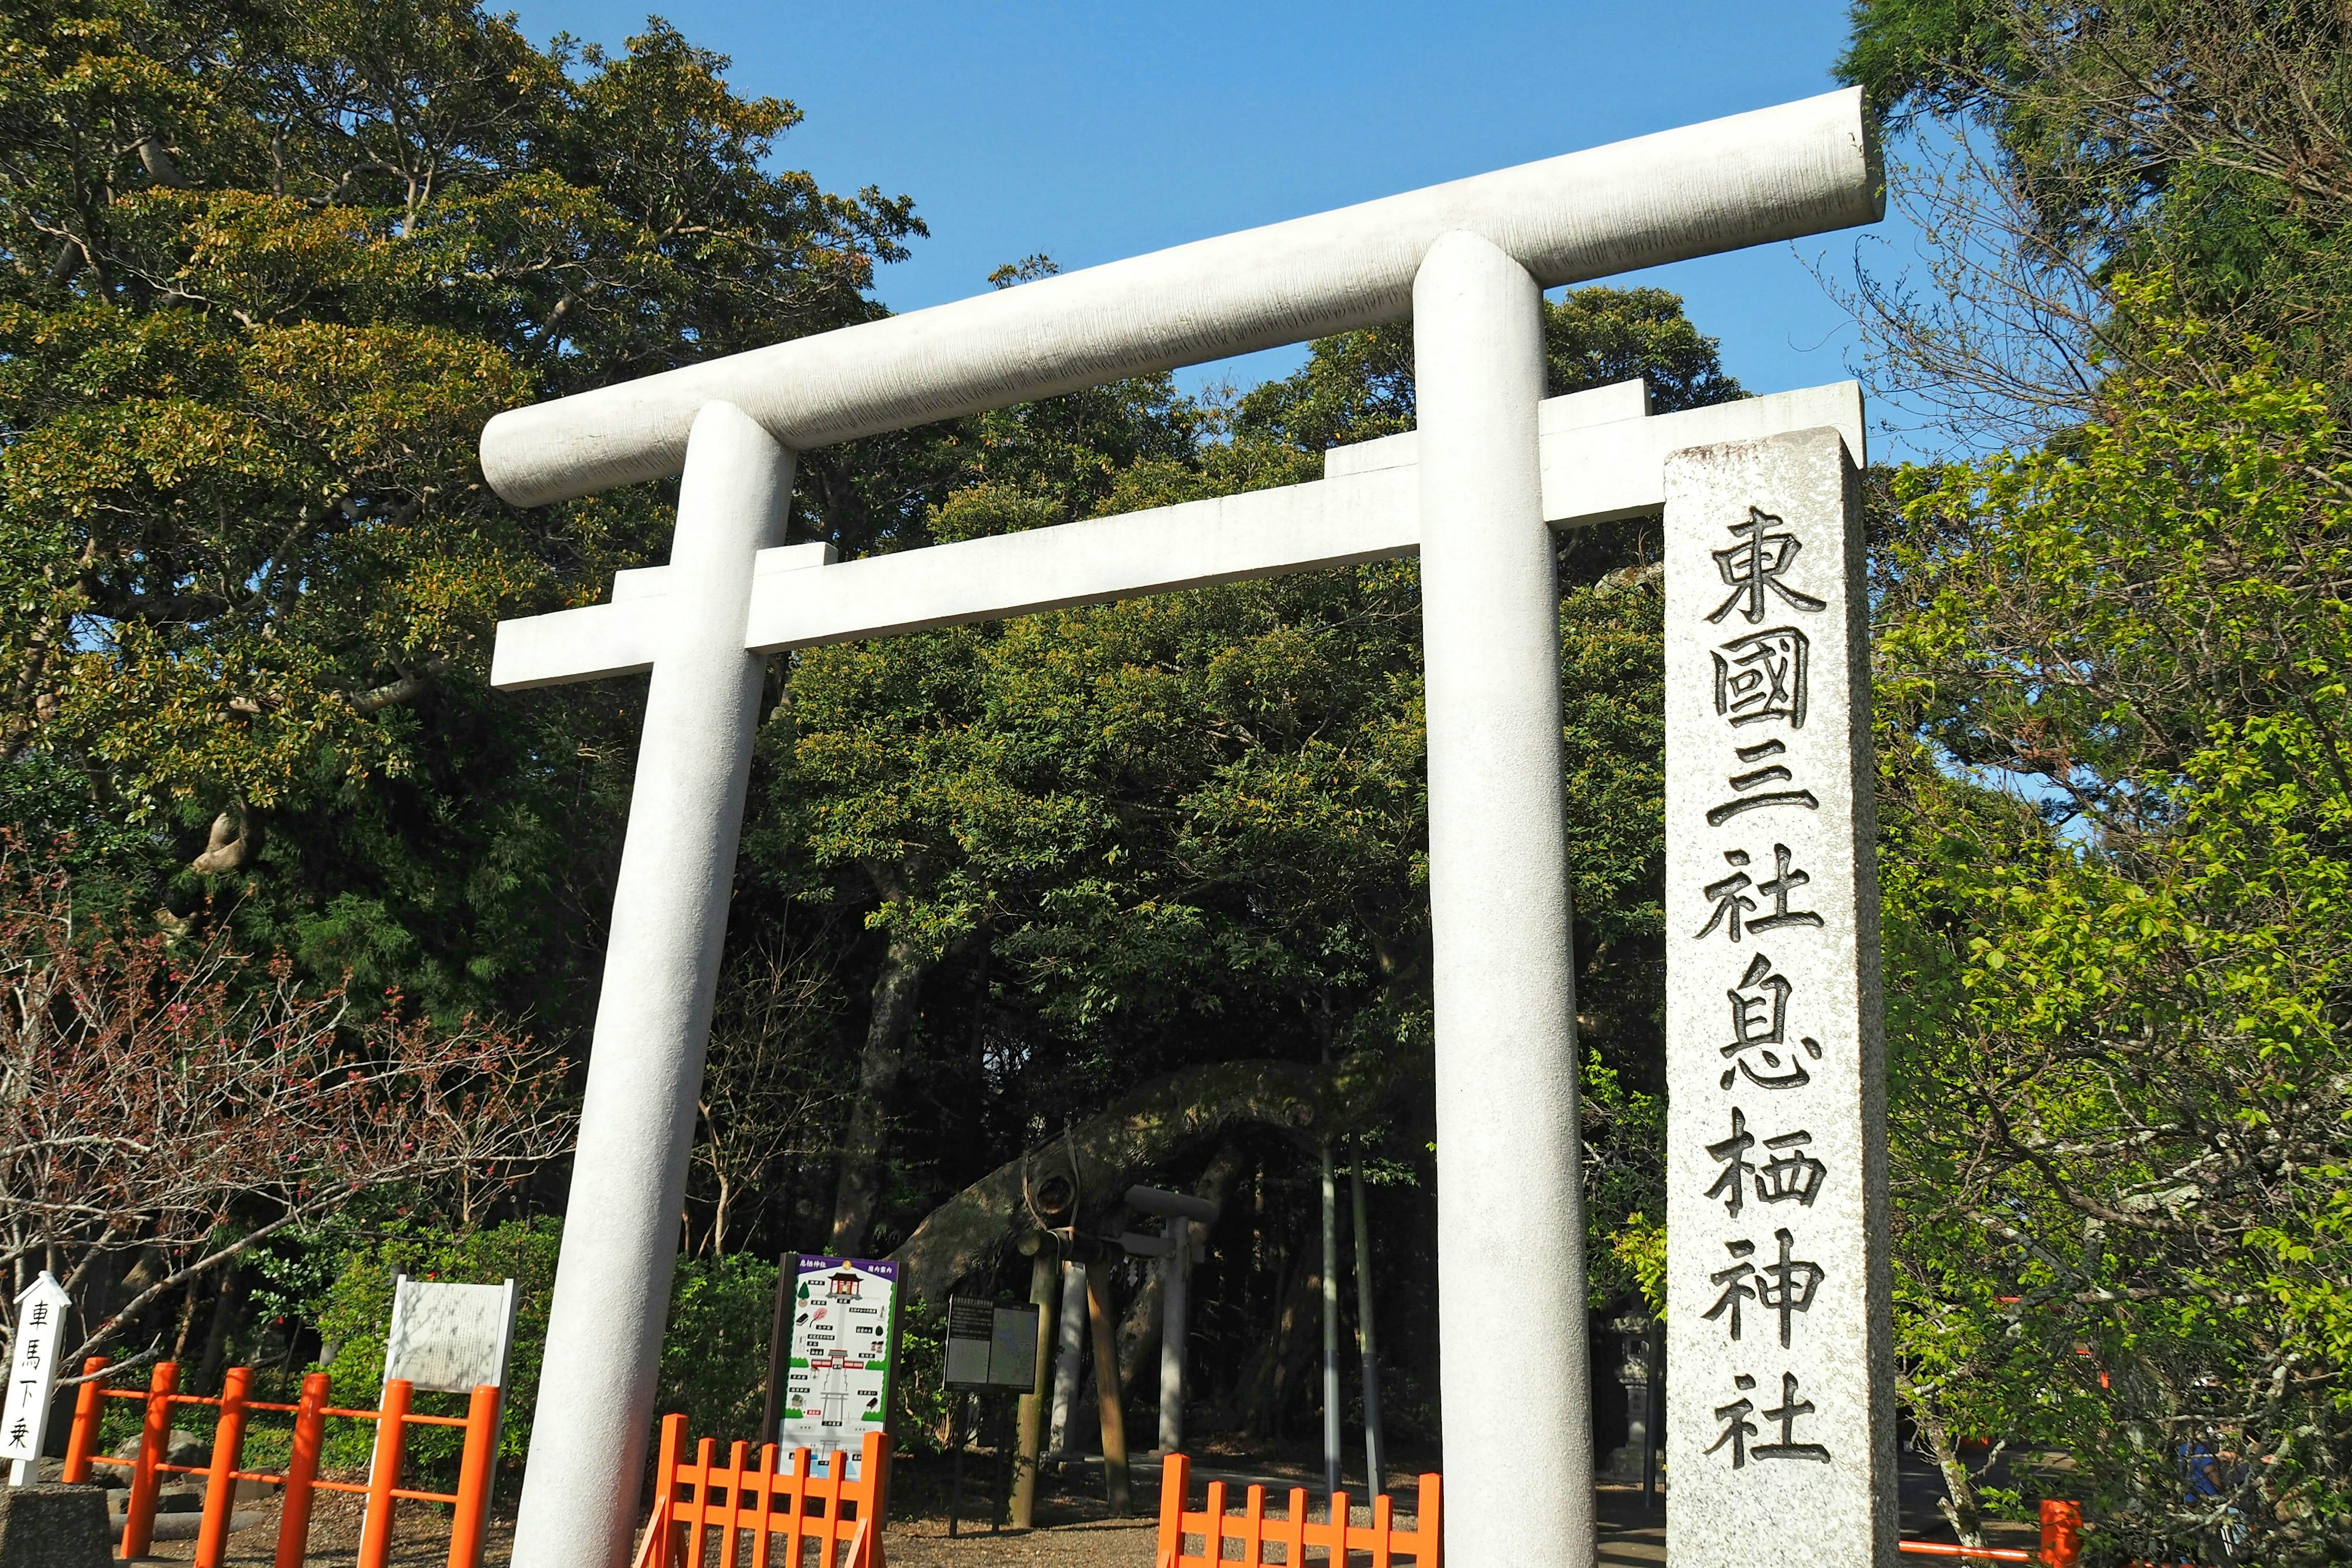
1780 1341
1475 491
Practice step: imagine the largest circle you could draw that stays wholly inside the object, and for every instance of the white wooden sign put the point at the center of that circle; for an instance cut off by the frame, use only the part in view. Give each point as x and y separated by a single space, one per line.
32 1374
449 1337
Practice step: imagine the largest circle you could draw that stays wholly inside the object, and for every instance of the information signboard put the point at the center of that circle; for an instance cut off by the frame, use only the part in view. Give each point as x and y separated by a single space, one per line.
449 1337
844 1343
991 1346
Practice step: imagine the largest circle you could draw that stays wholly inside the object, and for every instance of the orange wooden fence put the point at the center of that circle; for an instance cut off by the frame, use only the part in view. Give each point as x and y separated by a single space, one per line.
1294 1532
698 1501
300 1478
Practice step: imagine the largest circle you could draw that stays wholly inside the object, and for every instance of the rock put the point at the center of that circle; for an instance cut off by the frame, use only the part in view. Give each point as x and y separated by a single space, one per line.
186 1526
48 1525
182 1448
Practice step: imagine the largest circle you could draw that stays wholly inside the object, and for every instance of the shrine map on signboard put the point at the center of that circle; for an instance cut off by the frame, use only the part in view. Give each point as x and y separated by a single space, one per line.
838 1383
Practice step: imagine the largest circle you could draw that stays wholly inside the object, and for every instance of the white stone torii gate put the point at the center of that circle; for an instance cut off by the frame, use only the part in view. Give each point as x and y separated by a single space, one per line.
1475 490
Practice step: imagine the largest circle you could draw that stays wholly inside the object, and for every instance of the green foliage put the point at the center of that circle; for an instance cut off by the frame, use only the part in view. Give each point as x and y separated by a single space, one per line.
271 267
2122 1127
1912 55
919 1420
714 1364
357 1313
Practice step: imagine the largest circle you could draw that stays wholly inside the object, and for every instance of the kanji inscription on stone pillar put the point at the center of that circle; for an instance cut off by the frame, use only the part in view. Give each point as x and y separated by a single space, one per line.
1781 1429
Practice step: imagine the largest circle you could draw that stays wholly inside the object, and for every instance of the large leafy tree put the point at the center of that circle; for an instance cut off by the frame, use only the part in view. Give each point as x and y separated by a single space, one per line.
268 269
2112 715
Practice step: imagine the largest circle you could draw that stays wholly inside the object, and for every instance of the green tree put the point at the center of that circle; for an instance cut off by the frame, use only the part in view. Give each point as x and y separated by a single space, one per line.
2119 986
270 267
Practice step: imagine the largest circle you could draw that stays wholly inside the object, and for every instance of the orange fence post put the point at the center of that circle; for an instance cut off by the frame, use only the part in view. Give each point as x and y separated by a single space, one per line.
2062 1533
475 1469
301 1471
1429 1522
383 1474
154 1439
1175 1481
654 1551
220 1480
81 1444
875 1466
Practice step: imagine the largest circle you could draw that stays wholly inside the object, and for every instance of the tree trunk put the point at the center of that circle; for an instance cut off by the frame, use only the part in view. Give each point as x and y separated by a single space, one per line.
1958 1505
1124 1141
1263 1391
897 992
229 1303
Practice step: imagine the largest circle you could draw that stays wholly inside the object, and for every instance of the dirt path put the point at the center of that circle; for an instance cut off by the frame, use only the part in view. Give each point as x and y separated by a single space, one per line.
1075 1530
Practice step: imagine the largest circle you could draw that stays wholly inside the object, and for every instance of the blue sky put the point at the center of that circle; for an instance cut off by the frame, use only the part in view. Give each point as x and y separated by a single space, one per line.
1094 131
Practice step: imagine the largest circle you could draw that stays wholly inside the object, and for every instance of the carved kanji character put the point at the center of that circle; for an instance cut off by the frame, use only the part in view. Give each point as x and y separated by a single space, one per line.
1762 677
1755 564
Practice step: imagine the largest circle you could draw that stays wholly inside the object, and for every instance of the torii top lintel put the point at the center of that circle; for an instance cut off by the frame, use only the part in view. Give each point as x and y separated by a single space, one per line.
1775 173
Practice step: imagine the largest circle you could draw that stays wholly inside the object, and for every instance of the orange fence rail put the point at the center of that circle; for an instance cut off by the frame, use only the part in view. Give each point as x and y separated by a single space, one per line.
2061 1542
698 1501
1293 1532
300 1478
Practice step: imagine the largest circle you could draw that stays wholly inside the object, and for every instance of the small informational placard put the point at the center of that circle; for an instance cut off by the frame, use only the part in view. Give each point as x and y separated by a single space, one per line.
972 1335
1013 1362
451 1339
31 1373
844 1343
989 1346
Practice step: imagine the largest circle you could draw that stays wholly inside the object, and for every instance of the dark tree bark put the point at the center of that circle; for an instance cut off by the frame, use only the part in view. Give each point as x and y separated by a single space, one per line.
898 996
228 1305
1263 1391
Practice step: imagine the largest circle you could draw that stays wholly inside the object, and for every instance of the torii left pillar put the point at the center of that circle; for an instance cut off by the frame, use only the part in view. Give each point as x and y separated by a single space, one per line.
653 1018
1510 1213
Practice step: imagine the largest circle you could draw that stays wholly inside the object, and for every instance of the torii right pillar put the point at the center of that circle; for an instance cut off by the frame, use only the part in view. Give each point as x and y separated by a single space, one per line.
1781 1378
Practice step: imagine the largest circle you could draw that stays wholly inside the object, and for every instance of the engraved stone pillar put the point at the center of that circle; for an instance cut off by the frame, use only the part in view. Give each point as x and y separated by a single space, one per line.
1780 1435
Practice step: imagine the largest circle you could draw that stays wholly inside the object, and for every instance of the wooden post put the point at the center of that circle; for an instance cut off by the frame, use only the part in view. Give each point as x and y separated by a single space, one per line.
81 1443
476 1467
155 1437
383 1474
1044 1276
1114 1418
301 1471
220 1480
